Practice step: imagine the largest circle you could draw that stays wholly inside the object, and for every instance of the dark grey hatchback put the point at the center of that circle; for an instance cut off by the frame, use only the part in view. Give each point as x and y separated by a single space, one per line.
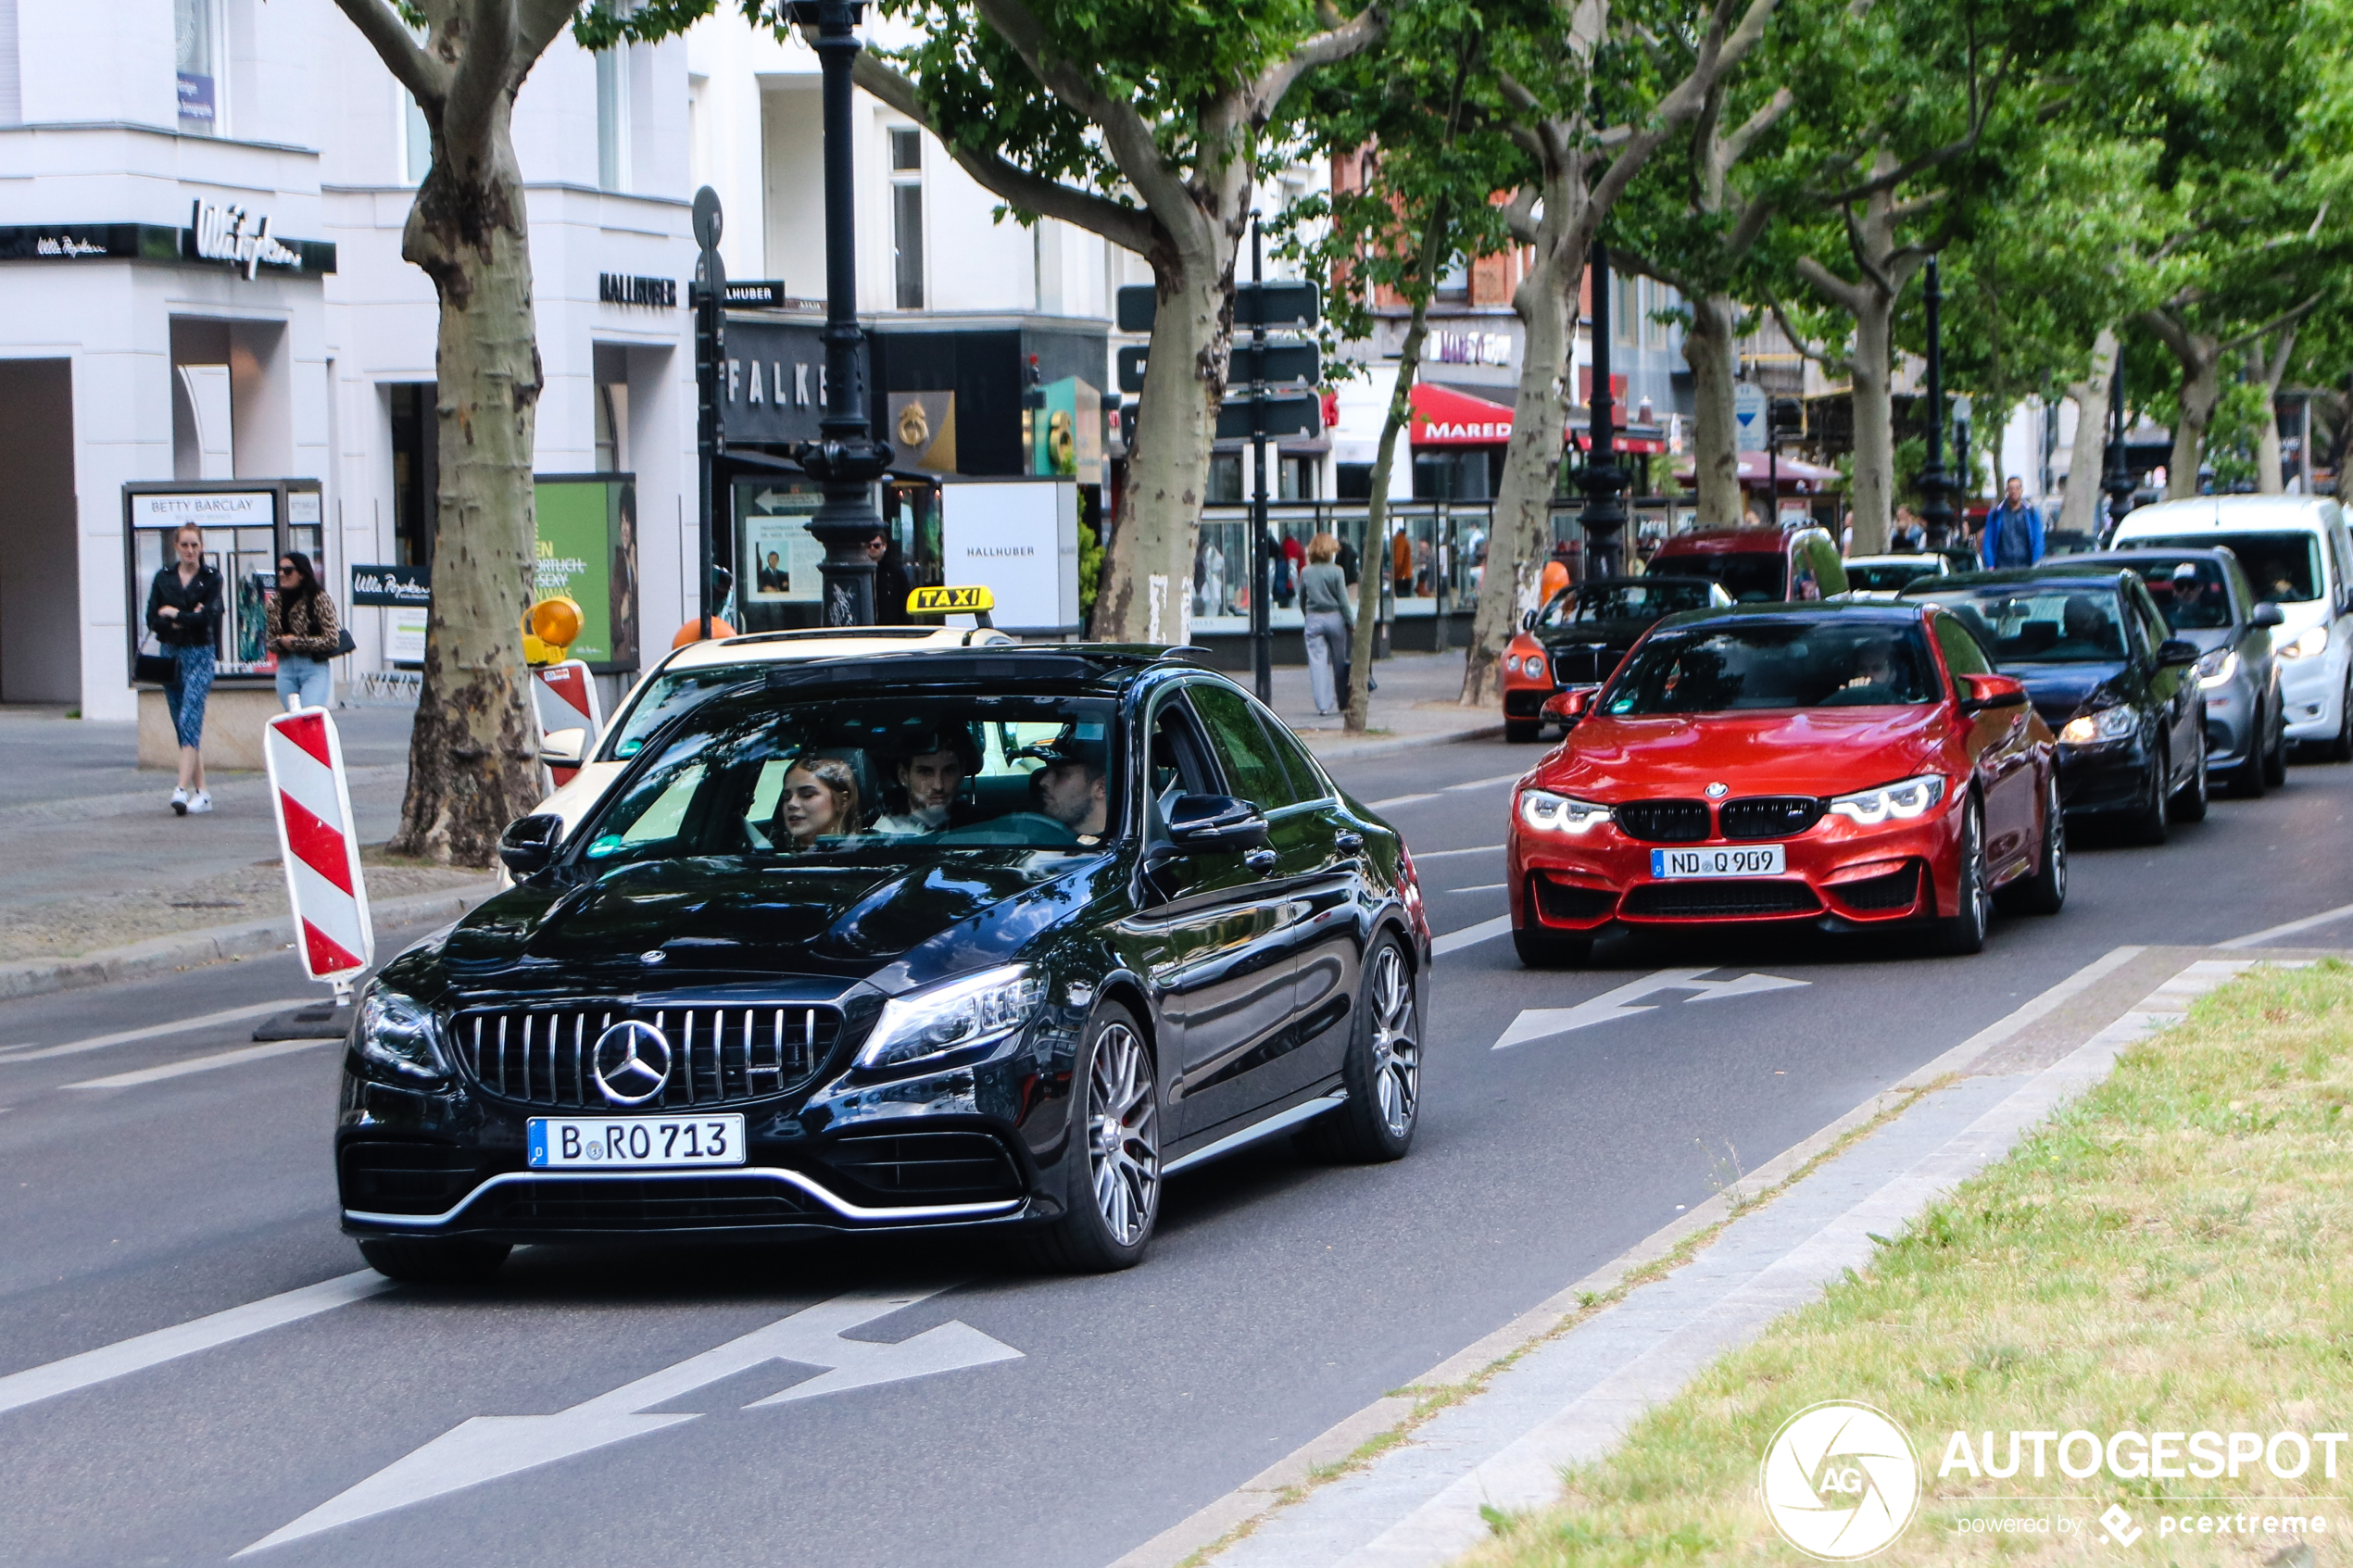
998 939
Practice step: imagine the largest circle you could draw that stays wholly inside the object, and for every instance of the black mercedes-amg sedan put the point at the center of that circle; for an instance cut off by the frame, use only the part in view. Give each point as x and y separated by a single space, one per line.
997 938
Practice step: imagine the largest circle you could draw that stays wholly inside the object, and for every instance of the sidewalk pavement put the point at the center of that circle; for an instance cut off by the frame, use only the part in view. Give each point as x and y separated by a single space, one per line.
102 882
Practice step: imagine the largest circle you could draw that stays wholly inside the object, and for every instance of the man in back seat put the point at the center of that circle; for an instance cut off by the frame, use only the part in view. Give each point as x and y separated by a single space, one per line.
932 773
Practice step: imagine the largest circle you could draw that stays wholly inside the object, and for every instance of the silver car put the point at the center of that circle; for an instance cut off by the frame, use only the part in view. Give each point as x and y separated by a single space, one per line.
2207 600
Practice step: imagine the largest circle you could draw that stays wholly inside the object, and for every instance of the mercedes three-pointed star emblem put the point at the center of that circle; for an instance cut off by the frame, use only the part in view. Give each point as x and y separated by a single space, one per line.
631 1063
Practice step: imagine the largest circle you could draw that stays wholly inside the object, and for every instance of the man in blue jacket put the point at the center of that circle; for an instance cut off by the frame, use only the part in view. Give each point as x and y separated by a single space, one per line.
2013 532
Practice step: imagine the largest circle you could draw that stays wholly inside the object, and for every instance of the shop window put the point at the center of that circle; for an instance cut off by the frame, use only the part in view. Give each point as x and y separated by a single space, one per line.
416 140
906 215
612 118
1225 479
1352 482
196 40
416 472
1298 479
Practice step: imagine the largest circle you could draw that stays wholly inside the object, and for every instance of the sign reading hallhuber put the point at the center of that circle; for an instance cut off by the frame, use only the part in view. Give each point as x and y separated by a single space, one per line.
1018 539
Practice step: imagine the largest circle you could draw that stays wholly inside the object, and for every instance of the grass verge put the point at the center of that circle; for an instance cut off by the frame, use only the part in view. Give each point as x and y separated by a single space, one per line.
2167 1253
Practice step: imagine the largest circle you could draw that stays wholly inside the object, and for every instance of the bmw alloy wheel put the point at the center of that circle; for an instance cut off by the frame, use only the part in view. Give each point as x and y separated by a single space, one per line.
1397 1050
1123 1135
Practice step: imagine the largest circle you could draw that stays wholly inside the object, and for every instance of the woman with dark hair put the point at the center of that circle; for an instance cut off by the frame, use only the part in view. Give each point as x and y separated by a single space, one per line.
183 611
304 633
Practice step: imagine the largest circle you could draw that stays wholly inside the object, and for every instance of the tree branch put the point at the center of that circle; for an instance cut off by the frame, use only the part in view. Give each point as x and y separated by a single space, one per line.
1820 353
1121 224
426 78
1336 43
1830 285
2293 313
1519 216
1736 145
540 20
483 76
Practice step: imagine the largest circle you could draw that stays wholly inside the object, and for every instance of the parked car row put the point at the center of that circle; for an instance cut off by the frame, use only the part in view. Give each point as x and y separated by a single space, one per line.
1910 757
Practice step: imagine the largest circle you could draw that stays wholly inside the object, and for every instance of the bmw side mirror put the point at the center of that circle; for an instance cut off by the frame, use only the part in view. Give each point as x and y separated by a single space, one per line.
2173 653
1214 825
1981 693
2267 614
529 845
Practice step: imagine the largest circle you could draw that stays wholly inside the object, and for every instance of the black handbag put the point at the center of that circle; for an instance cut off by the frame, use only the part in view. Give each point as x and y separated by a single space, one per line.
344 644
153 669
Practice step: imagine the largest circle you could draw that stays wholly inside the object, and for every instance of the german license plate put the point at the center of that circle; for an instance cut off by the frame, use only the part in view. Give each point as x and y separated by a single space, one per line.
1764 859
634 1143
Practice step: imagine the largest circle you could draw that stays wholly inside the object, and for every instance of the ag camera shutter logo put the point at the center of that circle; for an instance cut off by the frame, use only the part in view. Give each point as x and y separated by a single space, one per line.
1840 1481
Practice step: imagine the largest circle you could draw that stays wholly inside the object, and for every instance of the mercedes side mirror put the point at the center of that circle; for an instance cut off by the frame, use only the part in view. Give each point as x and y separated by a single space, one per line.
563 748
2267 614
1981 693
1527 620
529 845
2173 653
1214 825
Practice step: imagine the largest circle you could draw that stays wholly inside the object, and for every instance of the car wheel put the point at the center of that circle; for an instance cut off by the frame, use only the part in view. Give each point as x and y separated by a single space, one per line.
435 1260
2045 892
1519 732
2340 749
1110 1173
2275 757
1538 948
1382 1070
2189 805
2151 824
1964 933
2252 777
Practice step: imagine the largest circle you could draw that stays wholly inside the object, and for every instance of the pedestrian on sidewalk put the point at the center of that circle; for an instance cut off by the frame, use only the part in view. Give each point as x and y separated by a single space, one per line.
2013 531
1331 612
301 629
183 611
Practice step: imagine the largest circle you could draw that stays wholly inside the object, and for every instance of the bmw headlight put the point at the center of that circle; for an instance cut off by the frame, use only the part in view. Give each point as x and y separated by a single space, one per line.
2307 644
1897 802
2218 668
954 1015
1548 812
397 1033
2107 723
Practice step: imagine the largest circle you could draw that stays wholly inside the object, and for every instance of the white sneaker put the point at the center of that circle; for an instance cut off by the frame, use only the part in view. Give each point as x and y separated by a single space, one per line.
180 802
199 803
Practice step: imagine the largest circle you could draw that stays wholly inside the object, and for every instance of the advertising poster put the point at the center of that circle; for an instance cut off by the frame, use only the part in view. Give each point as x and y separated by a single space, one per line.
781 556
1073 447
1018 539
588 552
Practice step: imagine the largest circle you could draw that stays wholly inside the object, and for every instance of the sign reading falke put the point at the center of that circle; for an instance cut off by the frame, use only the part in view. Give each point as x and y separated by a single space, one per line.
773 383
242 239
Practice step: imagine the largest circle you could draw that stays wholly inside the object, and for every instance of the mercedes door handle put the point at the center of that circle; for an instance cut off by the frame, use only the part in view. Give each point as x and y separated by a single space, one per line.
1260 861
1348 840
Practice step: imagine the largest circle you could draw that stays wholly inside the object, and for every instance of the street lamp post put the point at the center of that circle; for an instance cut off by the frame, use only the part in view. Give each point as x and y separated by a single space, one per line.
1965 478
2118 484
1936 485
846 460
1605 515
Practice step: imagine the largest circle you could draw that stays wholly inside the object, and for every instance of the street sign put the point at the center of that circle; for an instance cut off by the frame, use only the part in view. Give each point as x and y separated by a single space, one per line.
1749 416
707 222
1131 368
753 294
1283 361
1284 303
1288 414
950 601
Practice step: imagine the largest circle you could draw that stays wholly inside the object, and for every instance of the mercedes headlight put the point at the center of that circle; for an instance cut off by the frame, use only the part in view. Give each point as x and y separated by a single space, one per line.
2107 723
397 1033
2307 644
1559 813
2218 668
1900 802
953 1016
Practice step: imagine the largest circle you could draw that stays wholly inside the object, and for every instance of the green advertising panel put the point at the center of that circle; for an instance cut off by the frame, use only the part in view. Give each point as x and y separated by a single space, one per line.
588 552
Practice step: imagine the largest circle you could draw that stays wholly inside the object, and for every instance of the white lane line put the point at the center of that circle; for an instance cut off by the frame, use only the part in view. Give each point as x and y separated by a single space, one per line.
1470 935
1395 800
1421 855
152 1032
1433 794
110 1361
1482 784
1482 888
2269 934
237 1057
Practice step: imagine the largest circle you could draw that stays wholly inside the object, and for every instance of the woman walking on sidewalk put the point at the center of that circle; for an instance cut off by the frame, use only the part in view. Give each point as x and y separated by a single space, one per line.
1330 610
183 611
304 633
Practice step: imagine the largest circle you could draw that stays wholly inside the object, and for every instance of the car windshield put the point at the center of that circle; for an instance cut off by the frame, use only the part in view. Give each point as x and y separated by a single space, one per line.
1885 577
1749 576
2190 592
1719 667
1626 601
882 774
2053 622
2283 569
667 696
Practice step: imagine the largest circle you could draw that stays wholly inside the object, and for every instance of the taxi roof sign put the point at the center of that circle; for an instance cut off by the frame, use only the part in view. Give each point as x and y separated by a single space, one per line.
950 601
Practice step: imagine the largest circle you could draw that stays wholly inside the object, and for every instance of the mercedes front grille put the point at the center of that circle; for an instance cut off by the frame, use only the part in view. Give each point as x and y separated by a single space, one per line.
719 1055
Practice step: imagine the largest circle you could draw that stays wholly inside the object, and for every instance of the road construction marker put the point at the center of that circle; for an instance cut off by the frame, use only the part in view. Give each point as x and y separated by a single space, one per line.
565 695
311 801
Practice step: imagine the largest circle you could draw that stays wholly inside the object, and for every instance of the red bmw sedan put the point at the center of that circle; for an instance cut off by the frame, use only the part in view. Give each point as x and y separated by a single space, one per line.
1851 765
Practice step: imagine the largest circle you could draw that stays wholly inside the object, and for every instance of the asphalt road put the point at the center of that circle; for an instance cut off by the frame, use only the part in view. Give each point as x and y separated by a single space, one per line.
1001 1418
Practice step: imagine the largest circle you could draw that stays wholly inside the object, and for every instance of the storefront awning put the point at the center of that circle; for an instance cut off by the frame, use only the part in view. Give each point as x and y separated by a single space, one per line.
1445 417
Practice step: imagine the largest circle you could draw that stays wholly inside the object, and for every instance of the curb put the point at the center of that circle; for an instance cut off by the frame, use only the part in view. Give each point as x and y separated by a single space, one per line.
1394 744
187 949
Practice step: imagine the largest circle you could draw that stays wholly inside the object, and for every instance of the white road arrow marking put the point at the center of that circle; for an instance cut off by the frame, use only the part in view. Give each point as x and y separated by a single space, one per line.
488 1446
1536 1023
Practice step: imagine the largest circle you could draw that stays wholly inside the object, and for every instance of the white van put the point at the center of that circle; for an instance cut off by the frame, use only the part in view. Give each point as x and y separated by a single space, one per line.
2298 555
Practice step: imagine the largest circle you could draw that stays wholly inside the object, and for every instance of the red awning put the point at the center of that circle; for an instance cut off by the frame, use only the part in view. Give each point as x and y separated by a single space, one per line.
1442 418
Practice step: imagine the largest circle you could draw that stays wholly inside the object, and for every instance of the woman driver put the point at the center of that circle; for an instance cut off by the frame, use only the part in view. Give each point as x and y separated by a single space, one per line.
820 799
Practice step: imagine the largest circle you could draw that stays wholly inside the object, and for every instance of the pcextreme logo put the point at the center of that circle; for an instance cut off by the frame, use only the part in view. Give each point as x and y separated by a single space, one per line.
1840 1481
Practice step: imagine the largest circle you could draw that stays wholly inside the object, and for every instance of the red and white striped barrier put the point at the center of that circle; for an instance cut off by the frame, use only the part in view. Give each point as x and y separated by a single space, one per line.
312 802
565 694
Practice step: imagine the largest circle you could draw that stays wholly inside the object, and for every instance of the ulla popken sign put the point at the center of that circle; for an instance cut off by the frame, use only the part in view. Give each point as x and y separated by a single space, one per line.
241 238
